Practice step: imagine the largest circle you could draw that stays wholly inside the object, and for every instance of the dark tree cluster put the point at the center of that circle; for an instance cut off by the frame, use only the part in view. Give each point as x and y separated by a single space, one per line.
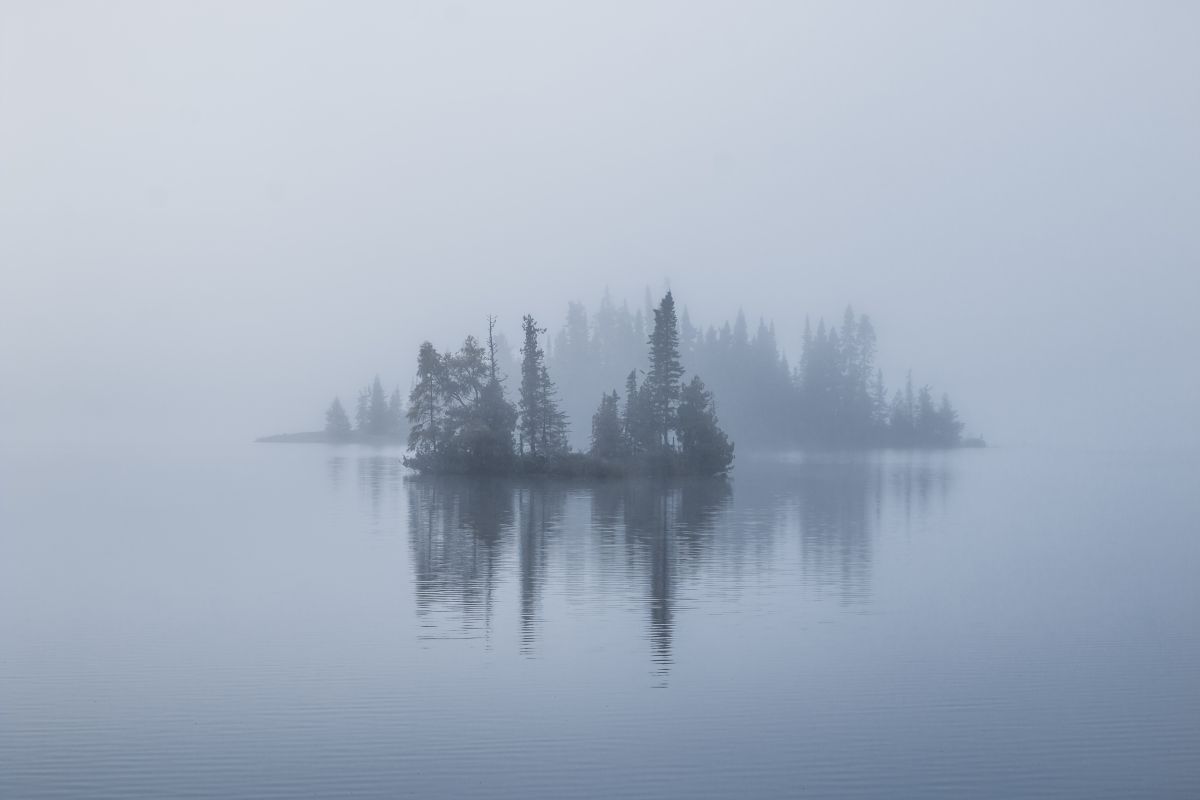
833 396
460 419
666 425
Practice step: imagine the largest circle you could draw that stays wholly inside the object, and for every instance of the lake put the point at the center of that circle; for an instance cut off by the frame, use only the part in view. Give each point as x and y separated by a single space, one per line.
259 621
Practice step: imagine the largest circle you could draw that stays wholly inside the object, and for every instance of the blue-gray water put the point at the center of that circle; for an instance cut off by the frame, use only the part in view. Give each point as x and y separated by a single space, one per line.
301 621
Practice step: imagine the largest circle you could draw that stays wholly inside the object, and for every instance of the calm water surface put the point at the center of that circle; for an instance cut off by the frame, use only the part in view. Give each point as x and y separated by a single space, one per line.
301 621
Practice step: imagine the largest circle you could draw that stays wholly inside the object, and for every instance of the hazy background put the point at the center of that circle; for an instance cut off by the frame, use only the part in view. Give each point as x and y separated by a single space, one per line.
214 216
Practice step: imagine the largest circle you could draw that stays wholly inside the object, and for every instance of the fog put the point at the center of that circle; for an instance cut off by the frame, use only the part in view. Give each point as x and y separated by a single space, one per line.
213 218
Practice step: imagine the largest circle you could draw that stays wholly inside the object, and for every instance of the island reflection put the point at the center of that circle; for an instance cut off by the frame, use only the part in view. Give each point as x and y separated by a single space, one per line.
812 519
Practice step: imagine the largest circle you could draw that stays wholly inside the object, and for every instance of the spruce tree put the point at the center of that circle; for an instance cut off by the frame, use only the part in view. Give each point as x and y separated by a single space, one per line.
490 441
666 369
926 423
879 404
395 413
531 397
704 447
553 420
362 410
607 440
948 426
377 410
465 375
543 425
425 408
466 372
741 336
631 419
337 424
491 444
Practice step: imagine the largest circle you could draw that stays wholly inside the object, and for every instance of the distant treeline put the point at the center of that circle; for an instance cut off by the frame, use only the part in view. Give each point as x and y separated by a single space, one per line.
377 416
833 396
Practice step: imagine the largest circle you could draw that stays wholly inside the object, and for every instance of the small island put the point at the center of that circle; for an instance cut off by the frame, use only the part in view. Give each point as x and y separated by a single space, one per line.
461 421
459 417
379 420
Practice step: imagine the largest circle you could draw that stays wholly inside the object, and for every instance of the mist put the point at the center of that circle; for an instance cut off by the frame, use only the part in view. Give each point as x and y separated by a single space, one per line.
554 400
214 218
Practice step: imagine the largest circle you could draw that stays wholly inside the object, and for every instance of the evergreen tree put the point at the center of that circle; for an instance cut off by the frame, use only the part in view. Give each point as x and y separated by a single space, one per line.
607 438
835 396
879 405
910 408
467 371
489 443
337 424
377 410
632 420
705 449
530 403
493 445
948 426
902 416
899 423
805 350
425 403
464 375
926 422
553 420
543 424
666 369
362 410
740 335
395 414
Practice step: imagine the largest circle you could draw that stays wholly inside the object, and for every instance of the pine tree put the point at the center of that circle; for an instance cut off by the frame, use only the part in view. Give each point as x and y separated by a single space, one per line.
705 449
543 424
948 426
395 413
337 424
879 404
553 420
631 420
740 333
666 370
926 422
899 425
493 448
466 372
530 403
377 410
425 407
490 443
362 410
910 409
607 439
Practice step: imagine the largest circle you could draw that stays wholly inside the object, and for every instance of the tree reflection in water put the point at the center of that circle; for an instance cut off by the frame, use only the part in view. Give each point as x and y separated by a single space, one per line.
646 541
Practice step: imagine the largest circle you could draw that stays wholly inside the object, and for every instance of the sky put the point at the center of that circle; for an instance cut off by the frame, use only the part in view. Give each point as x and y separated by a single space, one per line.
216 216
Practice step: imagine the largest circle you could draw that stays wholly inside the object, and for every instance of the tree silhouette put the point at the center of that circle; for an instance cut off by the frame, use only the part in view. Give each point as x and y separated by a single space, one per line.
608 442
662 380
425 407
704 446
